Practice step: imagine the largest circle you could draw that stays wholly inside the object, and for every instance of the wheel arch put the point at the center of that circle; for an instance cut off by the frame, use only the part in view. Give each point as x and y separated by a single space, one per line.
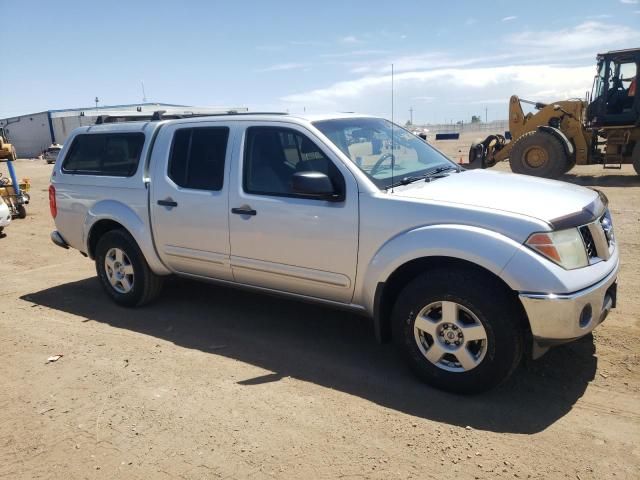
98 229
110 215
387 292
409 253
559 134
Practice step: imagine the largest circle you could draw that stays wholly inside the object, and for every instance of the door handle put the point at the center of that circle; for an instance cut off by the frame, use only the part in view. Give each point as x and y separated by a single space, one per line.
168 203
243 211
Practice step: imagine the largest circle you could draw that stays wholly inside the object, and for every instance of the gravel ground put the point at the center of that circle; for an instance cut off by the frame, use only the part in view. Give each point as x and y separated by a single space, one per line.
211 382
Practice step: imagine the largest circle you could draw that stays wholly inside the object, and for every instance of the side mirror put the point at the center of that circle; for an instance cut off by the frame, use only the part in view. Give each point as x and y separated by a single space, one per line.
313 184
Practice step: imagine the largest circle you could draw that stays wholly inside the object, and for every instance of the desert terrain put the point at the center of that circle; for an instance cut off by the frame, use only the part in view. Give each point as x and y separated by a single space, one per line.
211 382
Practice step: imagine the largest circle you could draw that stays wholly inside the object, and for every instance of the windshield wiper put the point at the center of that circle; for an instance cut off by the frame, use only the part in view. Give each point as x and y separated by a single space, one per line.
408 180
428 176
436 171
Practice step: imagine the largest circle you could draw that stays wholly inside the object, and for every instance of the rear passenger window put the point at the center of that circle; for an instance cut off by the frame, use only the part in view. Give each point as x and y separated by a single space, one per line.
115 154
197 157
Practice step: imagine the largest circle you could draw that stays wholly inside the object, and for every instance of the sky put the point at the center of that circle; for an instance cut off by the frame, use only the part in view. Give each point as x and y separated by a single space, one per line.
452 59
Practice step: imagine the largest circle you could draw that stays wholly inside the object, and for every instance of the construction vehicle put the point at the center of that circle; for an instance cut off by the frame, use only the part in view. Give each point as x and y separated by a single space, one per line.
13 193
7 151
603 129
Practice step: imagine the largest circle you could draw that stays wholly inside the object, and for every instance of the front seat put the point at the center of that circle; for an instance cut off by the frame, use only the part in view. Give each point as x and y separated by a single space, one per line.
268 172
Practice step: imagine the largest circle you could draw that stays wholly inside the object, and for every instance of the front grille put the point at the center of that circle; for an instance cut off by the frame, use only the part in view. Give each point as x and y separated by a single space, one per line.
589 243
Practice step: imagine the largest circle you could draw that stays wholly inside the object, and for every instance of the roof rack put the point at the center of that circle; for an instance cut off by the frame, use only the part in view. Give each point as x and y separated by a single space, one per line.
161 115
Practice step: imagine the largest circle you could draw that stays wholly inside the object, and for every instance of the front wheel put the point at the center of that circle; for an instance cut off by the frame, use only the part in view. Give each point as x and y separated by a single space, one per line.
123 271
539 154
459 330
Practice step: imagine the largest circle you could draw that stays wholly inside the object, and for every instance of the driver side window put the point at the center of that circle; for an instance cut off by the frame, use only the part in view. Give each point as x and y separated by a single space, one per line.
274 154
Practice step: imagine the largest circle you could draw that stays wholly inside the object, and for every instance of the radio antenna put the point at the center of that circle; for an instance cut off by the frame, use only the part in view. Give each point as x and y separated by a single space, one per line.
393 157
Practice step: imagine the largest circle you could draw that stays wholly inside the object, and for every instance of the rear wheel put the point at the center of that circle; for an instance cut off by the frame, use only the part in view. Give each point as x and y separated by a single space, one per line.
635 156
123 270
458 329
21 211
539 154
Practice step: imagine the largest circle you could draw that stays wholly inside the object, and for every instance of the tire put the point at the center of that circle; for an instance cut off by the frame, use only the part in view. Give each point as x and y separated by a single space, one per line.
129 281
21 211
480 301
635 157
570 164
539 154
476 152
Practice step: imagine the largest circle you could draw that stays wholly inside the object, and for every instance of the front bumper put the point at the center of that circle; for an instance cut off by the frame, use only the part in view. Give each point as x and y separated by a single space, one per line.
560 318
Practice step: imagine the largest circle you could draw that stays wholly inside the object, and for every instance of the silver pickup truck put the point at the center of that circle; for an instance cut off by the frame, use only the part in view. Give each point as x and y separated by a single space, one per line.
467 271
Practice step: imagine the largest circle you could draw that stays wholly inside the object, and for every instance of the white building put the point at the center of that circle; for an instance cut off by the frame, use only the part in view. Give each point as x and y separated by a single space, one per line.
33 133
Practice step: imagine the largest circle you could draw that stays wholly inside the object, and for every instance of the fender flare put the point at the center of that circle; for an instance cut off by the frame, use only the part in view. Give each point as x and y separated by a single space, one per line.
139 229
566 143
485 248
489 250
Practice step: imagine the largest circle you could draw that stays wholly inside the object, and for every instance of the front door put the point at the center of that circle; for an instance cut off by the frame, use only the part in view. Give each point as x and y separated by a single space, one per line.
282 240
189 198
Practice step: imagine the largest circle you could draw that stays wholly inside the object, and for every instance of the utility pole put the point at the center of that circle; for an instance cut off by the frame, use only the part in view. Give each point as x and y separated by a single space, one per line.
97 100
411 116
144 94
486 110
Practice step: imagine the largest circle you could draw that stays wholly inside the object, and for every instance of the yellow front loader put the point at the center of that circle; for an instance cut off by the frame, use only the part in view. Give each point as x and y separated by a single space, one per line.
559 135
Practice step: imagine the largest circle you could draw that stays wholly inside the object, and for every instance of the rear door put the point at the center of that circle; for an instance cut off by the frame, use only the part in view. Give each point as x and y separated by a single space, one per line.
189 198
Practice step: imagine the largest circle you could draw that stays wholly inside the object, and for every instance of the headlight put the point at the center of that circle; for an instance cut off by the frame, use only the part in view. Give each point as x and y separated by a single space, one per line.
564 247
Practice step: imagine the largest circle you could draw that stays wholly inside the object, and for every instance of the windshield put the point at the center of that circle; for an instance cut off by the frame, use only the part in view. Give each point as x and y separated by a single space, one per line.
368 143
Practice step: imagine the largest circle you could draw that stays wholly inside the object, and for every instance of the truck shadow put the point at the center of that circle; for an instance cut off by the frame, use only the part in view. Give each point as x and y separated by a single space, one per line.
602 180
331 348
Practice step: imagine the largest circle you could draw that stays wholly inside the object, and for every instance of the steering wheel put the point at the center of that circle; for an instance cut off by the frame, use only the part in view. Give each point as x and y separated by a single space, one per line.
381 160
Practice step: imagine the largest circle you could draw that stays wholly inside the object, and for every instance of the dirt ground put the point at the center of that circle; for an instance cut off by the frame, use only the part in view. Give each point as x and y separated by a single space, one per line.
210 382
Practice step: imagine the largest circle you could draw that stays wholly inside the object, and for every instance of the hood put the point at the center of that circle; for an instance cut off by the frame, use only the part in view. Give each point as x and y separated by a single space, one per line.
547 200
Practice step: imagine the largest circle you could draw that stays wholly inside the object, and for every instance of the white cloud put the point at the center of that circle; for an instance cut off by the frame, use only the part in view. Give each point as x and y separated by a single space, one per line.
307 43
423 61
280 67
537 65
424 99
451 84
629 2
588 36
470 21
354 53
350 39
509 18
269 48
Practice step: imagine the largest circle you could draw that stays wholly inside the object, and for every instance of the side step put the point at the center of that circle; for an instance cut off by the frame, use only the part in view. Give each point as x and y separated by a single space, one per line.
612 162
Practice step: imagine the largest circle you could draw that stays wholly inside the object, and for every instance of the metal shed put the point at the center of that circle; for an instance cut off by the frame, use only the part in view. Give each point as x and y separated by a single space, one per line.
33 133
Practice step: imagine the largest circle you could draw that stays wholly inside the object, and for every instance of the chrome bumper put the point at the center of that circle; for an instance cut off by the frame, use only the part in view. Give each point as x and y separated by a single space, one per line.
58 240
560 318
